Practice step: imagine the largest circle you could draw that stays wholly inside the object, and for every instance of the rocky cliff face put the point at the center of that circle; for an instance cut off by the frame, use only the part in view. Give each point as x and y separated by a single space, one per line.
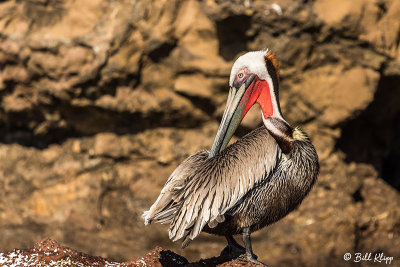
101 100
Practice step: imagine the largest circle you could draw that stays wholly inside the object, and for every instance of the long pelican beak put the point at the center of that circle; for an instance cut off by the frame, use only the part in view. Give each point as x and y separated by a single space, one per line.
239 102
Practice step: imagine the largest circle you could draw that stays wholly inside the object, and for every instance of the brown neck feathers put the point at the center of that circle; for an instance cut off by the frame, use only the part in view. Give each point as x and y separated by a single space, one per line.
281 132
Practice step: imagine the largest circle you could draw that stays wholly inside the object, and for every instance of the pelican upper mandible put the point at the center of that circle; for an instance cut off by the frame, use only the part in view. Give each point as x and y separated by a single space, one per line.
252 183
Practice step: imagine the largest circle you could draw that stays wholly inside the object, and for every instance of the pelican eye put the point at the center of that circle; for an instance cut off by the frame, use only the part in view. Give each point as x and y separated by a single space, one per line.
240 75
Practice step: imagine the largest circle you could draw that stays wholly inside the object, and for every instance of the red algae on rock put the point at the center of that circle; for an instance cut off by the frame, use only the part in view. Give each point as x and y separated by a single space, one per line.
48 252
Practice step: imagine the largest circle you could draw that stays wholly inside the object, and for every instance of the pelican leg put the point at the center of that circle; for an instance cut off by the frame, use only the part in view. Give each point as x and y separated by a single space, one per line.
234 249
249 255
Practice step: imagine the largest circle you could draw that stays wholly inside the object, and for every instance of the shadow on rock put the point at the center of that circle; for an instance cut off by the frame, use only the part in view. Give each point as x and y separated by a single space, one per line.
372 136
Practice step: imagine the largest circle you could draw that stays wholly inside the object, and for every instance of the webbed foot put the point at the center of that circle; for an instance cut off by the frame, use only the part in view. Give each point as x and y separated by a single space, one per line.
251 258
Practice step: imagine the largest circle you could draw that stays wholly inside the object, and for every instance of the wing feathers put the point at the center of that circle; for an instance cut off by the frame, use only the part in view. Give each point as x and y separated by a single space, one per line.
201 190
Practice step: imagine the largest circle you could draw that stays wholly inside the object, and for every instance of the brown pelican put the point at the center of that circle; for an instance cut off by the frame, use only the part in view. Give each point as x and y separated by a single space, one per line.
252 183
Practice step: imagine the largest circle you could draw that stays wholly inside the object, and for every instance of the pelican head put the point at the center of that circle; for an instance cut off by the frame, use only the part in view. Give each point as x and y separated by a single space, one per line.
254 79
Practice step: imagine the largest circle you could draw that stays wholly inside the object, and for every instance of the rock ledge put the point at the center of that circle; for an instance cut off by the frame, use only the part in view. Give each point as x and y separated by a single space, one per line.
49 252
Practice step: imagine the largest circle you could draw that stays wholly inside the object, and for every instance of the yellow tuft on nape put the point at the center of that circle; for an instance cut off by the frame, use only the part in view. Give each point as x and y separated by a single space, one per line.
298 134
